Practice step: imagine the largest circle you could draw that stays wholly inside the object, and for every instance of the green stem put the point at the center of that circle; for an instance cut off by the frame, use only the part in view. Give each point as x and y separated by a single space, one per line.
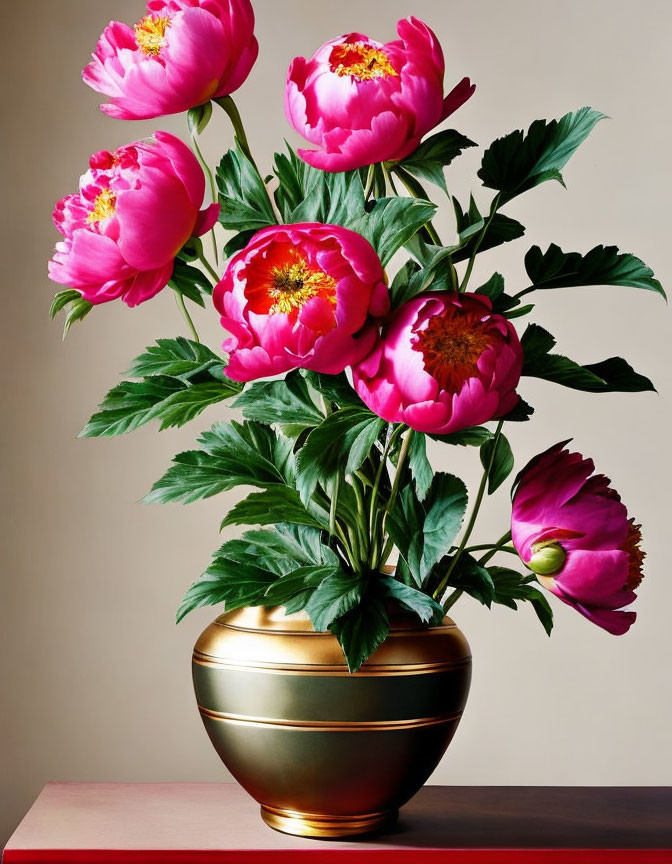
479 240
370 180
500 546
209 269
362 524
187 317
452 599
474 513
213 188
390 179
416 190
334 504
374 492
227 103
490 546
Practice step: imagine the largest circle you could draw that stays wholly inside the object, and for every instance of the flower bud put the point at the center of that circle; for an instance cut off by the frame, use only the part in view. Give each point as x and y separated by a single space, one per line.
547 559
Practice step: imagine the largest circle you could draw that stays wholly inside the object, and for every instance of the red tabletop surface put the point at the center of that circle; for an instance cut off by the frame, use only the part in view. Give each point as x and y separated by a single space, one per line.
190 823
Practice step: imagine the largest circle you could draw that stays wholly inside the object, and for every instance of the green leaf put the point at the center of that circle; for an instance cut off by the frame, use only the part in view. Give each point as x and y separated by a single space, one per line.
275 504
335 388
511 586
226 581
609 376
421 469
502 229
519 312
493 288
391 224
283 549
430 158
427 609
198 118
287 402
76 308
339 443
518 162
498 456
190 282
336 595
245 205
472 578
295 589
179 358
472 436
603 265
62 299
231 454
520 414
423 532
363 630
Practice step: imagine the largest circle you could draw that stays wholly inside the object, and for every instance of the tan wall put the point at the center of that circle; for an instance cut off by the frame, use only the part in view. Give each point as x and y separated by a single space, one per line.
96 682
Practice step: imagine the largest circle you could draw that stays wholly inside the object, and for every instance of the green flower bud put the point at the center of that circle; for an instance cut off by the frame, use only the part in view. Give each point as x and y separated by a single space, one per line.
547 559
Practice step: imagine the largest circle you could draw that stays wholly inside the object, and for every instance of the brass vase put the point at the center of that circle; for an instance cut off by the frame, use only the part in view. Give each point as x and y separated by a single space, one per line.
327 753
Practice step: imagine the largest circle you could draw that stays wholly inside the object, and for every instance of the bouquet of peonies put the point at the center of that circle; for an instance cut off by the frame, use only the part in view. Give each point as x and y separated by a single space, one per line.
341 372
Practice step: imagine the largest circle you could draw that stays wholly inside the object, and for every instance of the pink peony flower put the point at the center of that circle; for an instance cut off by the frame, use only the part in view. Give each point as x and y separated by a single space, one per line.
301 296
134 211
180 55
570 527
445 362
360 102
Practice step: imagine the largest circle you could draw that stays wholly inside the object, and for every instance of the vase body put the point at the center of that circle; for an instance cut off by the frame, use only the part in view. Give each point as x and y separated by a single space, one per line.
328 753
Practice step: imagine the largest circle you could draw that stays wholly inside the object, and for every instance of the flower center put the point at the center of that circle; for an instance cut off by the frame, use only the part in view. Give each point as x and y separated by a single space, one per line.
635 555
294 283
547 559
450 345
362 61
103 207
150 34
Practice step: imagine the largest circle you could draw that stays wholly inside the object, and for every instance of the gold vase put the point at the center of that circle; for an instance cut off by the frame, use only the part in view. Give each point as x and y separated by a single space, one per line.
327 753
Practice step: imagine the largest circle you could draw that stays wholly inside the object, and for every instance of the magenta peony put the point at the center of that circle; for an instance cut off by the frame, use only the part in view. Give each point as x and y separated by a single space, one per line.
180 55
360 101
301 296
445 362
134 211
570 527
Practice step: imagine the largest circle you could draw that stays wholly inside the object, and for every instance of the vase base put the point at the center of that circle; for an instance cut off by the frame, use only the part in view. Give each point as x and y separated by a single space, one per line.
321 825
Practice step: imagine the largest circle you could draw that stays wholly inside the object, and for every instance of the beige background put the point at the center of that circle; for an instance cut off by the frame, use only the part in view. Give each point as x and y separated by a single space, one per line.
95 676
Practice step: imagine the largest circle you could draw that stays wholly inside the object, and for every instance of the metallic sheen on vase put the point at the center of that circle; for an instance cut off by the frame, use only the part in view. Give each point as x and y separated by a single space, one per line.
325 752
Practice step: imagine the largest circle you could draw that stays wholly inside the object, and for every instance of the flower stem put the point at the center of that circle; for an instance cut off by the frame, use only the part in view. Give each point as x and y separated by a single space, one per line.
500 546
452 599
393 435
213 188
227 103
472 519
179 298
494 547
209 268
477 244
403 454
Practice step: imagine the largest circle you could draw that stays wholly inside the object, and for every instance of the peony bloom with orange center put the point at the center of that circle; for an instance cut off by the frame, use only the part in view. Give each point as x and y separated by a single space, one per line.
570 528
303 296
359 101
179 55
445 362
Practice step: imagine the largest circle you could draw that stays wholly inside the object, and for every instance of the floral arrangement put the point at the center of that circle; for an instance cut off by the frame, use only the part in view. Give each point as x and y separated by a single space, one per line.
340 370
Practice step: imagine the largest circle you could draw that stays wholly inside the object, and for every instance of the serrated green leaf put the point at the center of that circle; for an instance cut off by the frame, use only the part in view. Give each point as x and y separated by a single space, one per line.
335 595
190 282
511 586
520 414
245 205
335 388
295 588
603 265
520 161
363 630
426 608
285 402
229 582
497 459
391 224
437 151
470 224
178 358
276 504
609 376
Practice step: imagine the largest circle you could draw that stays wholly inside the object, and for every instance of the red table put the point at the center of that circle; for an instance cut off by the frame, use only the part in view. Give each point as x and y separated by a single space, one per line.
195 823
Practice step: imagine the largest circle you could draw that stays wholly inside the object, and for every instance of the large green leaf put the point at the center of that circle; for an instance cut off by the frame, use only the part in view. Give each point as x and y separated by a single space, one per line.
603 265
245 205
470 225
190 282
232 454
497 459
472 578
437 151
520 161
391 223
276 504
335 595
339 443
423 532
227 581
287 402
179 358
608 376
362 630
421 469
510 586
427 609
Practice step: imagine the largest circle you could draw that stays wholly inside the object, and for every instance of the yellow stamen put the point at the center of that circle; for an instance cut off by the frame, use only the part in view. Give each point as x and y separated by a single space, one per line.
361 61
635 555
150 34
294 284
103 207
